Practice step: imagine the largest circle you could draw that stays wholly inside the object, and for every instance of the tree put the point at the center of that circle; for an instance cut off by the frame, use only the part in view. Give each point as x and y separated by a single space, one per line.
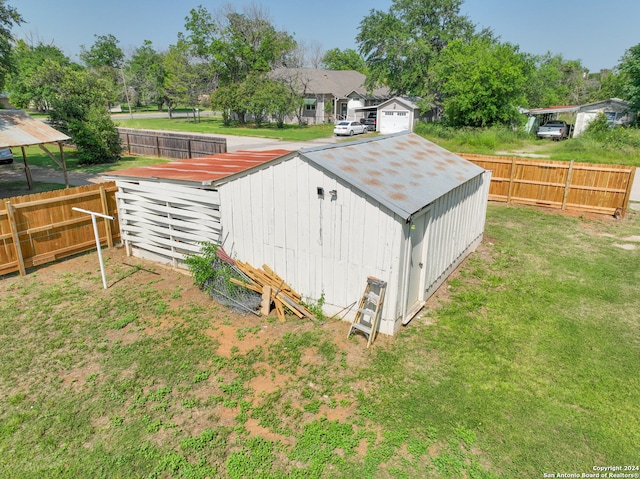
146 73
22 85
9 17
78 109
186 80
481 82
106 60
237 47
555 81
104 52
349 59
610 85
630 70
402 45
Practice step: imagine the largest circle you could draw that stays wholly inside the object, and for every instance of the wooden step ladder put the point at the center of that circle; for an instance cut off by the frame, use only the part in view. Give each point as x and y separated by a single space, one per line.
369 310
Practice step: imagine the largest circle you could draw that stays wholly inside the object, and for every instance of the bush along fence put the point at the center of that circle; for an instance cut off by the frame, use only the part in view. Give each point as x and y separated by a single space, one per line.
39 228
572 186
169 144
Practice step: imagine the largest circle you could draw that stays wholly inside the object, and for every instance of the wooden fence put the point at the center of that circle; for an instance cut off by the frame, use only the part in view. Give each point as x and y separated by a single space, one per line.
39 228
169 144
585 187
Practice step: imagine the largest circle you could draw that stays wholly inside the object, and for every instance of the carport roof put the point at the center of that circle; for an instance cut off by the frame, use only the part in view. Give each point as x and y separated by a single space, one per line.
19 129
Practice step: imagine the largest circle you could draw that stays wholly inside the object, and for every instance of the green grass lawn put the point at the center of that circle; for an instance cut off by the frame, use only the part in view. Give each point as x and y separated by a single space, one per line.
214 125
36 157
17 188
527 363
620 146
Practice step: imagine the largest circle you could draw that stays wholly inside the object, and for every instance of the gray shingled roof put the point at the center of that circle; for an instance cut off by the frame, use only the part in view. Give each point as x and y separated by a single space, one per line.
338 83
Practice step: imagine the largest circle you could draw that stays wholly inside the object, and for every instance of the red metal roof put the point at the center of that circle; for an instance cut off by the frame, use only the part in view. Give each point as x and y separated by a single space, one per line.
204 169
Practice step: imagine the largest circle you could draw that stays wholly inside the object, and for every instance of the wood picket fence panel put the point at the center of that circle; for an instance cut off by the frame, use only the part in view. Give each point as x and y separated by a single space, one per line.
40 228
170 144
571 186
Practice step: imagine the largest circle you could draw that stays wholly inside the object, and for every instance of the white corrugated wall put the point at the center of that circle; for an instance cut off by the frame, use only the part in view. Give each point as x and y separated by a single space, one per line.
456 227
318 244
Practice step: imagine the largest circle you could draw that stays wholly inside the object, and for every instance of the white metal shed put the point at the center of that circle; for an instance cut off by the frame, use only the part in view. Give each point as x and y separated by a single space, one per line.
396 207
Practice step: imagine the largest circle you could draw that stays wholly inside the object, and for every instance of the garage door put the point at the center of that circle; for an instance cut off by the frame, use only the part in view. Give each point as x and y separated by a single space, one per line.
393 121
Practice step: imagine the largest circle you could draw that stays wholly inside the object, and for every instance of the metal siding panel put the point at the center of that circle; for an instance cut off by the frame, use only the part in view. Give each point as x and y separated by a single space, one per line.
404 172
257 182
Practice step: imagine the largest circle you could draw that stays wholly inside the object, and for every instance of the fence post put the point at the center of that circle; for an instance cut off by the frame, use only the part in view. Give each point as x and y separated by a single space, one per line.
627 194
16 237
567 186
512 176
105 211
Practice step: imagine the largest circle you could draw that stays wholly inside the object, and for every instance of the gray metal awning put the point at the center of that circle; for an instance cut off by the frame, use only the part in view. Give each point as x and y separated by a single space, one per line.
19 129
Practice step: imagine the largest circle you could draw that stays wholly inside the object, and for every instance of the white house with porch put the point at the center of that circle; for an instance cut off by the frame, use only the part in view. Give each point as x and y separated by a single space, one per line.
330 95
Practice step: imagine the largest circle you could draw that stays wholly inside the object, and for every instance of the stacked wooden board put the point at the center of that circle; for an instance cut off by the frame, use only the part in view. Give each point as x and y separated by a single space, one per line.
272 287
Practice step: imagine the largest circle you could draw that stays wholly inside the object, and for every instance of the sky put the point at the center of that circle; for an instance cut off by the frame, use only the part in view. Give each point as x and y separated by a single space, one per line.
596 32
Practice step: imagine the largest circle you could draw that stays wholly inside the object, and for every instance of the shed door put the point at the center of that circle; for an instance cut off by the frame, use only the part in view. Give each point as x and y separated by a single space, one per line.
393 121
416 264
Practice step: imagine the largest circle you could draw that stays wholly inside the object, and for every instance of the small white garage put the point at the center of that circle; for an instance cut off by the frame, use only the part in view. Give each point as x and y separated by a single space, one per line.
397 114
395 207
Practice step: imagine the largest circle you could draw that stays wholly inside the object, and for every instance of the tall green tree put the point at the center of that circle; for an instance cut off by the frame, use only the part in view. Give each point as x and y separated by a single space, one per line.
401 46
629 68
186 79
9 17
104 52
146 74
237 46
22 84
481 82
106 60
554 80
348 59
78 109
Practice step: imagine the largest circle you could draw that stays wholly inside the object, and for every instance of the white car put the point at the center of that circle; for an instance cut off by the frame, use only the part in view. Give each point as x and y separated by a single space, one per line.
6 156
349 128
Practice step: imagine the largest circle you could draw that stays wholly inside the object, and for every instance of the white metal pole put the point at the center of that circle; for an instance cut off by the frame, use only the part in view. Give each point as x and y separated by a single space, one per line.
97 235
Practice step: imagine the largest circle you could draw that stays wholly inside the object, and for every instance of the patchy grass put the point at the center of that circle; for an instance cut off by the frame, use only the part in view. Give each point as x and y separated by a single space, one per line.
526 362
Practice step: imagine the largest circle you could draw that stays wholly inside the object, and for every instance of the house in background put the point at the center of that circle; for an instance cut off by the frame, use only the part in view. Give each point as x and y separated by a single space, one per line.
396 207
618 113
330 95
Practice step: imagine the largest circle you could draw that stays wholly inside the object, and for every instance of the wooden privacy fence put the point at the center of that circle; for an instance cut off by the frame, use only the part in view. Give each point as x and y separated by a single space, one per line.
39 228
586 187
169 144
